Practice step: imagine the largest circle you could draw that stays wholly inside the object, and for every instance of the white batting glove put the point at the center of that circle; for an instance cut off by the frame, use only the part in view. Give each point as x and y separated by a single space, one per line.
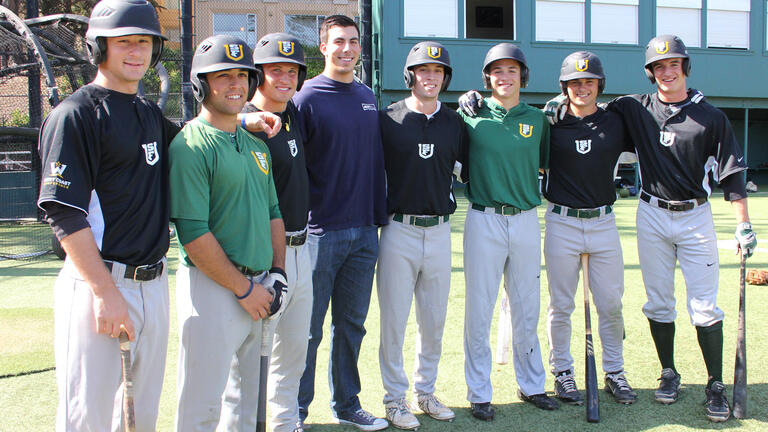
746 238
277 284
556 108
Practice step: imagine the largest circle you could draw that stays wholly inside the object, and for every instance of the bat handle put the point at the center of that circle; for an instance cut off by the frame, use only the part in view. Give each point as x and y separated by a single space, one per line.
125 357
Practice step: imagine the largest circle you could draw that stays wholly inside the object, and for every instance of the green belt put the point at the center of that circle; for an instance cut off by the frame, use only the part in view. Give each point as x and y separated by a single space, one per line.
582 213
421 221
506 210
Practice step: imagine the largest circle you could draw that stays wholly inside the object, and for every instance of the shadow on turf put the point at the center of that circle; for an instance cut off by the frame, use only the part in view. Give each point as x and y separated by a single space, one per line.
645 414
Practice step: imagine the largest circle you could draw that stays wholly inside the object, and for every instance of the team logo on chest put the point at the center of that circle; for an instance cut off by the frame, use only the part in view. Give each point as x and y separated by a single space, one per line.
293 147
583 146
150 153
261 161
526 130
426 150
666 138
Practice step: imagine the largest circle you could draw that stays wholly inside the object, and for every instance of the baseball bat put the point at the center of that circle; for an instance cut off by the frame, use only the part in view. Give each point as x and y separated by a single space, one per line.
129 417
740 370
266 349
592 405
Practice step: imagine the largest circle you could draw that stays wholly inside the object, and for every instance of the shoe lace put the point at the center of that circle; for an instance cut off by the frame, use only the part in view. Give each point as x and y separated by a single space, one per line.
567 382
431 401
365 415
621 382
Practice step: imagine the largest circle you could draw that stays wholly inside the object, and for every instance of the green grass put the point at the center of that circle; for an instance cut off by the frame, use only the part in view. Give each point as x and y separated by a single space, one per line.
26 343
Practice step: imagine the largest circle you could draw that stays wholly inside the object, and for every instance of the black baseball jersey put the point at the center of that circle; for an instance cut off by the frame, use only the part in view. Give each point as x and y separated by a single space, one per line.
419 155
105 154
678 144
583 154
289 167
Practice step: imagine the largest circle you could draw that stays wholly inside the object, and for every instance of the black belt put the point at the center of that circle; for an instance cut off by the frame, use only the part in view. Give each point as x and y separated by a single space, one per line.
296 239
506 210
247 271
673 205
421 221
142 273
582 213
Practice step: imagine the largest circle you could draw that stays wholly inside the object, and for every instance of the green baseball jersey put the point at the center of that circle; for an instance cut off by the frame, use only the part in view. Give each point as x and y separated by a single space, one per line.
225 179
506 150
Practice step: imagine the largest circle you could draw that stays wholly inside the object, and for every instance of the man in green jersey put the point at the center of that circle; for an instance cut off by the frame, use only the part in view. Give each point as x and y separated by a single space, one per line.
509 143
230 231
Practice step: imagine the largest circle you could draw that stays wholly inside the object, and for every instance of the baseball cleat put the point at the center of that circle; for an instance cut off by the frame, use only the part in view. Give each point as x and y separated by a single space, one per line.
431 406
363 420
483 411
617 385
540 400
669 387
717 406
400 415
565 388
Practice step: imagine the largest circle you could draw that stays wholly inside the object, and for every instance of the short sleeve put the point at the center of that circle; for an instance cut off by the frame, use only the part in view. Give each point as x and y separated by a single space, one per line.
189 178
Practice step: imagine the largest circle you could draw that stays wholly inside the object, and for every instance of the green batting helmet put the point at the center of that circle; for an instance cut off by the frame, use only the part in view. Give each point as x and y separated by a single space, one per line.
425 53
111 18
279 48
217 53
502 51
582 64
665 47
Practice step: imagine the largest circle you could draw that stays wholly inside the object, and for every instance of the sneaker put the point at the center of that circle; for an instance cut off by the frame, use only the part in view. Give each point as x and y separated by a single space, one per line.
400 415
483 411
540 401
617 385
299 426
669 387
363 420
565 388
718 409
429 404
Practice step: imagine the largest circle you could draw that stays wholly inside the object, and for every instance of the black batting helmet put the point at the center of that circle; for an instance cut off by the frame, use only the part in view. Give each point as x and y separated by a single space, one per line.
665 47
425 53
502 51
582 64
217 53
279 48
111 18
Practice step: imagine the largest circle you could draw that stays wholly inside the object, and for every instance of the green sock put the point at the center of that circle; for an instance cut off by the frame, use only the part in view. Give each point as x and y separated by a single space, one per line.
664 338
711 343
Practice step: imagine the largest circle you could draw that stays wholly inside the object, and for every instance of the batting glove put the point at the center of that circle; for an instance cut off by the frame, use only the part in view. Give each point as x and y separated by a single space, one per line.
277 284
556 108
470 102
746 238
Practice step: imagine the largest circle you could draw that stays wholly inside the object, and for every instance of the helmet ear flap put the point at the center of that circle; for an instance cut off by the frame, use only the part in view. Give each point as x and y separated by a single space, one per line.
302 77
157 50
600 86
446 79
97 49
564 87
254 81
486 80
687 66
523 76
649 74
200 88
259 75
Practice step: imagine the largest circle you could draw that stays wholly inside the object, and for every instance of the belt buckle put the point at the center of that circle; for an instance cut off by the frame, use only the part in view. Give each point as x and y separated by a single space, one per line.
421 221
144 267
507 206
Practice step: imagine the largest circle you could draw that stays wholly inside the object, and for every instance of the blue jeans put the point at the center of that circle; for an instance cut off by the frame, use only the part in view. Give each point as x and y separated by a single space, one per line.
343 261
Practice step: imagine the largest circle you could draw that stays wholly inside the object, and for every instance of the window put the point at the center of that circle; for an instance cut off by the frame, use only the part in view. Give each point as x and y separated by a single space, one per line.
431 18
240 25
614 21
728 23
681 18
490 19
305 27
560 20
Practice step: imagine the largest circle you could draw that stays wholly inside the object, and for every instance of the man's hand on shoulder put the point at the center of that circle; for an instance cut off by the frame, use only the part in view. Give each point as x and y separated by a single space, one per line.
470 102
261 121
556 108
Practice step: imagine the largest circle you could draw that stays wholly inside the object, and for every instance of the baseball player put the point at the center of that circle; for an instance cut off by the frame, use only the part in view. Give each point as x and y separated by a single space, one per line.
279 59
509 143
584 150
423 140
679 139
347 201
230 234
104 190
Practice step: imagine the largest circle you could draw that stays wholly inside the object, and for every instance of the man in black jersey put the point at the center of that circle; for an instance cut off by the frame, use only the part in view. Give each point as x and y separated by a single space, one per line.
105 191
584 149
679 139
279 60
423 140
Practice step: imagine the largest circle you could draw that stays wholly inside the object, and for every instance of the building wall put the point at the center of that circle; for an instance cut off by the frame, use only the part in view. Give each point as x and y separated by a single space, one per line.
730 78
